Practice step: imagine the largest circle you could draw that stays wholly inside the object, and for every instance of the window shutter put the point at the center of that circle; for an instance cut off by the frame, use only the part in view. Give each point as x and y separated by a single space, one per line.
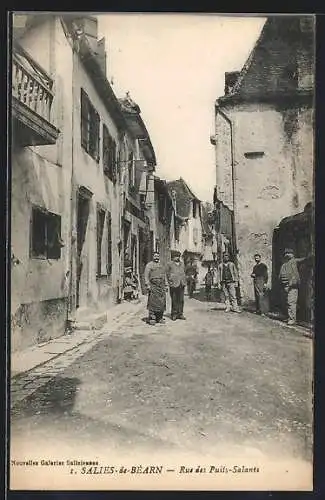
114 162
97 136
84 119
100 229
54 237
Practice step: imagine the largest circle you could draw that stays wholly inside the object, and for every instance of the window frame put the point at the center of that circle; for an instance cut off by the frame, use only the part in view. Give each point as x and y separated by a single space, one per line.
89 126
99 238
131 171
109 154
52 236
194 208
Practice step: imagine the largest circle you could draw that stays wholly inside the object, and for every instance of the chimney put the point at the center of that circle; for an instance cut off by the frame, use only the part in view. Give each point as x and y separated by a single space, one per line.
89 26
101 55
231 78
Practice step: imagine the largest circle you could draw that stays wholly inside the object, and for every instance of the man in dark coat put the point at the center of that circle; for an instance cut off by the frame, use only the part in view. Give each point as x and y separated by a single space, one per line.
156 284
290 281
260 279
176 279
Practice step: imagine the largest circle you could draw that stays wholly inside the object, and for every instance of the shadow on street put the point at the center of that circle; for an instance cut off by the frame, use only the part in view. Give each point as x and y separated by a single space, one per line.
57 396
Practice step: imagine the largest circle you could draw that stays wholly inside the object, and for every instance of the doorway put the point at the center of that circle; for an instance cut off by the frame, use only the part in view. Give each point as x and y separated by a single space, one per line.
83 210
127 249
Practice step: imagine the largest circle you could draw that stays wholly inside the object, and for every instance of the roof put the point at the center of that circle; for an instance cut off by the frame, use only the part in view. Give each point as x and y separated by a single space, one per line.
126 111
271 69
184 196
161 187
137 128
92 66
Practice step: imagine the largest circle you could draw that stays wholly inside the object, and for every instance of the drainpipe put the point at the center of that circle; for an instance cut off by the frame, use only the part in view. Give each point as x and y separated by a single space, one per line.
228 120
70 319
121 173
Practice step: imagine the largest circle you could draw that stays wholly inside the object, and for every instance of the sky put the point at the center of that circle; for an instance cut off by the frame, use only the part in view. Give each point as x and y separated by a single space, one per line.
173 65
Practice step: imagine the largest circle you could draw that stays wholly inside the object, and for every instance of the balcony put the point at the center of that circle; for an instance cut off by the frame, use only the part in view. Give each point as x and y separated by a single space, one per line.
32 98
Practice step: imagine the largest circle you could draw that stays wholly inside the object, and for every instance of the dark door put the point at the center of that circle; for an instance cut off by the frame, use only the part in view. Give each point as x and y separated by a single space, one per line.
83 205
142 257
127 249
134 253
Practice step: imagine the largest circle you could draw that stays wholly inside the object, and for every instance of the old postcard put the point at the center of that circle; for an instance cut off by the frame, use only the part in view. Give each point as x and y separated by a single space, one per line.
162 251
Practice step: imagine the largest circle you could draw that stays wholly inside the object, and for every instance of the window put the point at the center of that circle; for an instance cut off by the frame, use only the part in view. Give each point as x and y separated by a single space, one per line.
89 127
109 155
143 200
290 72
100 231
194 209
46 242
254 154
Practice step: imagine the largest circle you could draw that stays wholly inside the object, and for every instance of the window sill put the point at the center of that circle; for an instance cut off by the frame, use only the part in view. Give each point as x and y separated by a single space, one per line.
42 257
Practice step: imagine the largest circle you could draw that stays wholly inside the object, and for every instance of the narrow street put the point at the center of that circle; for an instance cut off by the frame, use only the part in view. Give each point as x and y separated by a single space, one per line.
215 384
111 205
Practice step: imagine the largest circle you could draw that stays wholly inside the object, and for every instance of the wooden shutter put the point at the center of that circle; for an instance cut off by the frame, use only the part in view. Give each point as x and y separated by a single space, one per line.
85 125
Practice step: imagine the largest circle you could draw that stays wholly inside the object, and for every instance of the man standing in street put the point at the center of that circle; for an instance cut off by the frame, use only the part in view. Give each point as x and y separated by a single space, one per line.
290 281
191 276
156 284
228 281
260 278
176 279
208 280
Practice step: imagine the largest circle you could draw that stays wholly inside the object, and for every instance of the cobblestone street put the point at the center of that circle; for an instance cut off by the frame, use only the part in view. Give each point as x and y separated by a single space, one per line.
116 212
229 383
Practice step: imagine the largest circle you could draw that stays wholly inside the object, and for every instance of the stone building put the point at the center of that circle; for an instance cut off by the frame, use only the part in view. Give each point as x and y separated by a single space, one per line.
41 159
264 137
164 220
98 125
138 214
188 220
80 164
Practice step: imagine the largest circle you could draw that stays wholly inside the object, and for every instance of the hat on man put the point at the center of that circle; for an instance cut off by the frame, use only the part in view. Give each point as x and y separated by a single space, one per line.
175 253
288 250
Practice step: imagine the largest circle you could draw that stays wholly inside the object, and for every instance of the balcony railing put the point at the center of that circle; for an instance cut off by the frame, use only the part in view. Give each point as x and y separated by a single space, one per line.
31 90
32 97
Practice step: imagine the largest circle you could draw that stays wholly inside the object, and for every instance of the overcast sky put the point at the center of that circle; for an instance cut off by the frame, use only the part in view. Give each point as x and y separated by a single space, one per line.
174 65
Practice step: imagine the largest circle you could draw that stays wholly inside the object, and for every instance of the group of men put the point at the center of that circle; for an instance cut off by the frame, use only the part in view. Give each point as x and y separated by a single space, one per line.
289 280
159 279
227 280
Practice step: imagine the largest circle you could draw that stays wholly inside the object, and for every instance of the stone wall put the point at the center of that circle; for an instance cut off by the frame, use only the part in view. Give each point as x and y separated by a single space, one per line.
96 293
273 156
41 177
